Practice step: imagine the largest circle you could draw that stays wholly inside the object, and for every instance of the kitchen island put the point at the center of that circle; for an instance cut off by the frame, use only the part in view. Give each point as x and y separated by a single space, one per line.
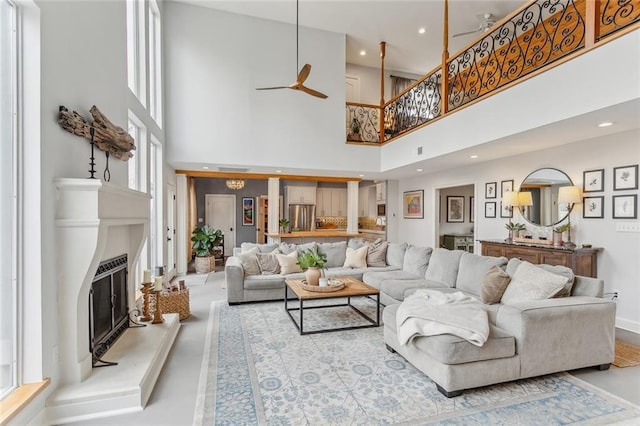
319 235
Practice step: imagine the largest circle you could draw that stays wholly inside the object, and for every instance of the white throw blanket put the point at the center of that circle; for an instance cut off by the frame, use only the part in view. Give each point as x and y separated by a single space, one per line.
431 312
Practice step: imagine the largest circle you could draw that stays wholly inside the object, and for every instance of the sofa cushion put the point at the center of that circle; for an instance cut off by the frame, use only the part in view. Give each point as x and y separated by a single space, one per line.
249 262
472 269
264 282
268 263
450 349
288 263
356 243
356 258
416 260
494 283
531 282
336 253
555 269
345 272
395 254
286 248
262 248
377 254
443 266
397 288
375 279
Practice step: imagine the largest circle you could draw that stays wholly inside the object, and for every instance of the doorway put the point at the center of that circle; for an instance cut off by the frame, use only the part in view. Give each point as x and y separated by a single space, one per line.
220 213
456 211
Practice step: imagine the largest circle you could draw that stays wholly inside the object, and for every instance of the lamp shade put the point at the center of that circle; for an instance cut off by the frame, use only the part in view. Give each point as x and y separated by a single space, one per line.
569 195
510 199
525 199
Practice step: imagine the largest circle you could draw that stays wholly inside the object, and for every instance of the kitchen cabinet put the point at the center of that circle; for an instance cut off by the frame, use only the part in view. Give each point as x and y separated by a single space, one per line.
581 260
381 192
458 242
331 202
367 201
300 194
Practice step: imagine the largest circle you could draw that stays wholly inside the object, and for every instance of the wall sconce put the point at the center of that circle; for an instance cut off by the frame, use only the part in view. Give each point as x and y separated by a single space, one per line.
235 184
569 195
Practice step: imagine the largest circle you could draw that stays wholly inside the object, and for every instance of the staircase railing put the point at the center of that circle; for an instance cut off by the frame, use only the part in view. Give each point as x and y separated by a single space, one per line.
526 42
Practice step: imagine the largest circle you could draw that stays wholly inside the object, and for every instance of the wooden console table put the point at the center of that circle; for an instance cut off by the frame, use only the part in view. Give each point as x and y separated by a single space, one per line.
583 261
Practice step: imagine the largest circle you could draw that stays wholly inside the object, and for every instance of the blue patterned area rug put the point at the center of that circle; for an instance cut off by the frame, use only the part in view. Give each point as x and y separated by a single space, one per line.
257 370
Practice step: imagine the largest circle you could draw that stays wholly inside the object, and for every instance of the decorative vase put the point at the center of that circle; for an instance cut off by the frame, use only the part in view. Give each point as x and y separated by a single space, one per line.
557 239
515 233
312 275
203 264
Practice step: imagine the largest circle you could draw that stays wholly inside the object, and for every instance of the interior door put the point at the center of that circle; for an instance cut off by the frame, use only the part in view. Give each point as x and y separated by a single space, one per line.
220 213
171 230
262 219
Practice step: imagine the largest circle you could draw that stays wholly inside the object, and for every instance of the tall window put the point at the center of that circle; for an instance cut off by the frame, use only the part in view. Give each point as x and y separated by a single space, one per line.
155 63
136 70
8 198
155 188
138 163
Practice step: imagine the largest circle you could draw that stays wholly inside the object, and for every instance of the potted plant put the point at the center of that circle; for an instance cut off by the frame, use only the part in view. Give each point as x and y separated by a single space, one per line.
204 240
284 223
514 229
355 129
557 234
313 262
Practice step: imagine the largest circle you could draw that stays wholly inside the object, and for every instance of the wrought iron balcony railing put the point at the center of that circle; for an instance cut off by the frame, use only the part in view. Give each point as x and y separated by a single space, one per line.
528 40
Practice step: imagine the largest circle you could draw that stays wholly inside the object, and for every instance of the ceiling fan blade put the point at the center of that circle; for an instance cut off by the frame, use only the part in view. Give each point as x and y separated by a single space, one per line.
273 88
312 92
303 74
467 33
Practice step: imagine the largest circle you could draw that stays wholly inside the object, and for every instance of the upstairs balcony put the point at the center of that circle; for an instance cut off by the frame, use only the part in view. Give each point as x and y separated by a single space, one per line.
538 36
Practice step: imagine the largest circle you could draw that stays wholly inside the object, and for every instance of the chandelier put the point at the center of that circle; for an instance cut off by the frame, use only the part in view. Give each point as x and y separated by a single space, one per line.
235 184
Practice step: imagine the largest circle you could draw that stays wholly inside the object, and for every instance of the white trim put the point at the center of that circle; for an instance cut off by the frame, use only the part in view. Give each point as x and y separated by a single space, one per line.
628 325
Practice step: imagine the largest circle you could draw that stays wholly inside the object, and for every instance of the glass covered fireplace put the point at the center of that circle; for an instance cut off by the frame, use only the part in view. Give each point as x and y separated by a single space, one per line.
108 310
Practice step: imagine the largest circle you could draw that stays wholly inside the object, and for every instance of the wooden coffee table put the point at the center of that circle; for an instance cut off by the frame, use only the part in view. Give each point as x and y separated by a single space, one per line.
353 287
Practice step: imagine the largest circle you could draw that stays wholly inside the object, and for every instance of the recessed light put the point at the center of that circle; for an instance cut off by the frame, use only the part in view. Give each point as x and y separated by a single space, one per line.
473 156
363 52
361 175
205 167
605 124
422 30
418 170
278 171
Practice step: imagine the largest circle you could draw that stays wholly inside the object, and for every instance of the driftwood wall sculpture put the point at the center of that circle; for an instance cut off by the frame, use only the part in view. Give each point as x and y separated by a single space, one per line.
107 136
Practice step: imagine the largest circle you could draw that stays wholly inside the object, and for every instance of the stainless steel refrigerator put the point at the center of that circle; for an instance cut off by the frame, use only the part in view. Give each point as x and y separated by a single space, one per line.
302 217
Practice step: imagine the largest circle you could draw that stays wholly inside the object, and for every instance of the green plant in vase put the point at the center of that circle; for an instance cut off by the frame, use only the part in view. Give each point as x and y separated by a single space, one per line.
284 223
204 240
313 262
557 233
514 229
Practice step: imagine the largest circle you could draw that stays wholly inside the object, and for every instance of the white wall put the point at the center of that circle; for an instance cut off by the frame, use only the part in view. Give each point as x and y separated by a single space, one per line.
215 61
370 82
618 262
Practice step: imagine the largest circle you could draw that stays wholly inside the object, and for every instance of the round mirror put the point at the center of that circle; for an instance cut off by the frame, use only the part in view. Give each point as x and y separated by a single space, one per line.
538 196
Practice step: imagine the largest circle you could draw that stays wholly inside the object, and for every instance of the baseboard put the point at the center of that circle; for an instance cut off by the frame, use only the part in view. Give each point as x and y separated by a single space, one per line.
624 324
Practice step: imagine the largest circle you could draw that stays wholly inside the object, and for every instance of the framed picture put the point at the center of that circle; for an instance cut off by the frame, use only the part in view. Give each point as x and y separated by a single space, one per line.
505 211
490 189
506 186
490 209
472 209
625 206
247 211
625 177
593 207
593 180
413 204
455 209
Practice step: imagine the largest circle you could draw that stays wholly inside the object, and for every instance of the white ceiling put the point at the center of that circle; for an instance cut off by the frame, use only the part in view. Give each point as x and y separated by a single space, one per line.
367 23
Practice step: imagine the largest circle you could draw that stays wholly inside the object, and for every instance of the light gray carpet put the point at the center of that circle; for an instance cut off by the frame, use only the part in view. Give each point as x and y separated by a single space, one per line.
257 369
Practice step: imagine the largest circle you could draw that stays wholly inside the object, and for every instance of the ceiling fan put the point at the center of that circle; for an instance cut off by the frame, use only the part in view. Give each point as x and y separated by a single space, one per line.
302 75
487 20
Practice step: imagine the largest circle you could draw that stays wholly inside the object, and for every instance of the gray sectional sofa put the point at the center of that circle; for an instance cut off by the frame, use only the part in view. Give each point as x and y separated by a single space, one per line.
527 336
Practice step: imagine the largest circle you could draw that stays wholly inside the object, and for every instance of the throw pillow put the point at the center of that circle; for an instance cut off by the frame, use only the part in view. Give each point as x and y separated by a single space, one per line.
335 253
288 263
249 262
494 284
268 263
377 254
356 258
532 283
262 248
443 266
416 260
513 264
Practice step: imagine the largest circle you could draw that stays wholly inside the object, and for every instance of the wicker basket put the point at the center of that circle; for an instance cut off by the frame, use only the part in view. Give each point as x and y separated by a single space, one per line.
175 302
323 289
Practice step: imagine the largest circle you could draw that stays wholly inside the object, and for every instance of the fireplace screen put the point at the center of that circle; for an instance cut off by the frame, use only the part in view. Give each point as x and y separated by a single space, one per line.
108 310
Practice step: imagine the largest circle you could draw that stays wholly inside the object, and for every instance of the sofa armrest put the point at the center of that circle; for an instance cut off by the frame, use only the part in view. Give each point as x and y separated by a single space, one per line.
560 334
234 274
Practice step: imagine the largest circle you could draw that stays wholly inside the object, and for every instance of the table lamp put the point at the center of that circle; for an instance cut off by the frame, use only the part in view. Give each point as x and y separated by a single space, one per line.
525 200
569 195
510 200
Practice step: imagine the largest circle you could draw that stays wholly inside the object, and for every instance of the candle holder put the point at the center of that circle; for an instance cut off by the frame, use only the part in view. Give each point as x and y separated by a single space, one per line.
146 295
157 314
